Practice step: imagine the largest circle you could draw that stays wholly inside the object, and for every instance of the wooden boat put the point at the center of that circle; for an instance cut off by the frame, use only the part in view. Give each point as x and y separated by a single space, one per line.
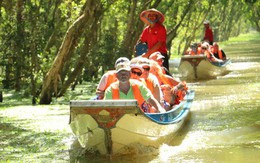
112 127
200 67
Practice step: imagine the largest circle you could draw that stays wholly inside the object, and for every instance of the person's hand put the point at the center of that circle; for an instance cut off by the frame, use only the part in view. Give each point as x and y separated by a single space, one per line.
181 86
144 55
161 109
100 94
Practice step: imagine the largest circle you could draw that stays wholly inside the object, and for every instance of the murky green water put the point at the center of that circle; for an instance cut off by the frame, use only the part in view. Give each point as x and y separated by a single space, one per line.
224 125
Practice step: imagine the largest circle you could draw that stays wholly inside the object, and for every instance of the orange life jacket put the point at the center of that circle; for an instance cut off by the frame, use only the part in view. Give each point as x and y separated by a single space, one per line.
192 53
137 95
181 93
111 78
149 84
207 53
163 71
199 50
220 54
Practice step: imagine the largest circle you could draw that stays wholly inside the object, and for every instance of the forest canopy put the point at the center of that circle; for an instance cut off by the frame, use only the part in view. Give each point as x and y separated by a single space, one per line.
46 46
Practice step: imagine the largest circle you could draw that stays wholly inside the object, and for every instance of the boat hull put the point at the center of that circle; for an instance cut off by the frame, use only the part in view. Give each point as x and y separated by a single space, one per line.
120 129
199 67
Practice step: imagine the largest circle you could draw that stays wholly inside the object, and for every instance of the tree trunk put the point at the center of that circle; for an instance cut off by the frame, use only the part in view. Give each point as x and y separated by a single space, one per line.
126 47
1 1
137 27
1 96
19 43
68 45
90 40
172 33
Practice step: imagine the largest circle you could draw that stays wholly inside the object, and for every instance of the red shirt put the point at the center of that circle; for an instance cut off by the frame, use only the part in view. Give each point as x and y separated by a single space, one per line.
152 35
208 34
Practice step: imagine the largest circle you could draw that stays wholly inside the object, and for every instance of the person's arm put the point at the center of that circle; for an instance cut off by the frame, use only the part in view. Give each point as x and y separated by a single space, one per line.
167 72
157 93
101 86
156 104
153 49
169 80
108 94
148 96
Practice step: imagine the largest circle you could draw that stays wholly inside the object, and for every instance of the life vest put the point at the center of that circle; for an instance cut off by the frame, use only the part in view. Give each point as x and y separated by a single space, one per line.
207 53
181 93
199 50
162 78
220 54
137 95
168 93
148 83
157 71
192 53
163 71
111 78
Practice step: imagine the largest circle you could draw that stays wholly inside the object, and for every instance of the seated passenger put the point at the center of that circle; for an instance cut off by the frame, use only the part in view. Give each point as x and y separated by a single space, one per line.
205 49
158 57
193 49
174 95
126 88
140 71
167 84
217 52
108 78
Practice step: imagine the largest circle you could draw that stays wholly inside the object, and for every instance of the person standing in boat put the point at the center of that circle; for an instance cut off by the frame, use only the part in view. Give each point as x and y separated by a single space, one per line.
208 34
126 88
154 34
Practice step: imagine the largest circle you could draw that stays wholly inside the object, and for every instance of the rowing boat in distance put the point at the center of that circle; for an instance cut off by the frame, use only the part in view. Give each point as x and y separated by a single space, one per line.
200 67
112 127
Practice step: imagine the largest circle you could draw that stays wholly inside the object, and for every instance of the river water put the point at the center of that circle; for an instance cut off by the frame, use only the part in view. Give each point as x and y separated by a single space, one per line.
224 124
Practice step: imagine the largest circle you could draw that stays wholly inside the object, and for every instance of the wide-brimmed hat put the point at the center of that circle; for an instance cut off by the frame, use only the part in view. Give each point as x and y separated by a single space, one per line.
144 16
156 56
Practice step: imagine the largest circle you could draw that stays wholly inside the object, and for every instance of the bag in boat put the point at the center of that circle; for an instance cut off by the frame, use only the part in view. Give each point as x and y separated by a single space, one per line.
140 48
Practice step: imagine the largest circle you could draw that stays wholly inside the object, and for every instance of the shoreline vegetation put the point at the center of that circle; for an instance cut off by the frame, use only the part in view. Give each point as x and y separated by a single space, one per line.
41 133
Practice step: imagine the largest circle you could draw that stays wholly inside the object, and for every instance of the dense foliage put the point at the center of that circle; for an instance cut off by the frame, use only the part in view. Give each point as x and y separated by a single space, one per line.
46 46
